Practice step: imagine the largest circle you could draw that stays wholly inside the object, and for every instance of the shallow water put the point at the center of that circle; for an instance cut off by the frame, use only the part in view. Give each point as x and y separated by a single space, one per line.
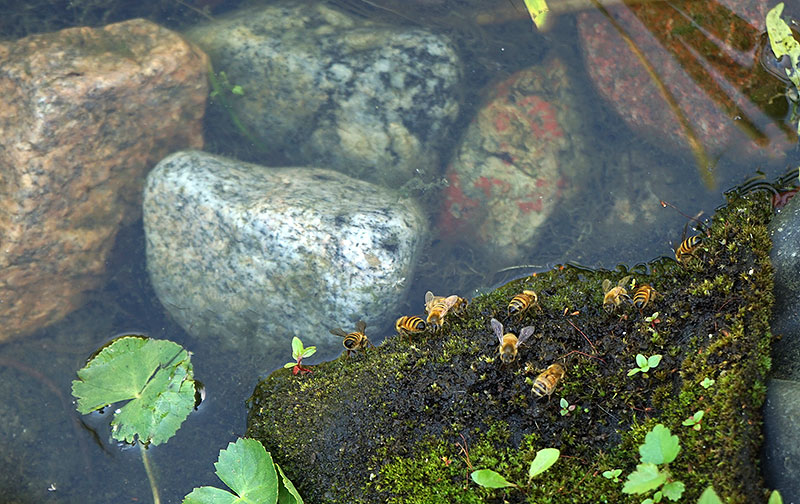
55 455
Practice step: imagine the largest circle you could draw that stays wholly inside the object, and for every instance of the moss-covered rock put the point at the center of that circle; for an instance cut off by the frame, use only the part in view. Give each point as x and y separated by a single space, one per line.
408 422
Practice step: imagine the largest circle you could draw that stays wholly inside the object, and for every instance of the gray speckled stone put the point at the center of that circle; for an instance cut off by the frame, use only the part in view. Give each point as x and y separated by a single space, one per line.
256 255
782 438
327 89
785 258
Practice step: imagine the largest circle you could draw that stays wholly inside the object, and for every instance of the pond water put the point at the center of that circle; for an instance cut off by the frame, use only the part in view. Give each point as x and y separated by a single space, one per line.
52 454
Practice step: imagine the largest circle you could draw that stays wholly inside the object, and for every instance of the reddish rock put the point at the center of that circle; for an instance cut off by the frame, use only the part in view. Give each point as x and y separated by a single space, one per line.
84 114
519 156
711 68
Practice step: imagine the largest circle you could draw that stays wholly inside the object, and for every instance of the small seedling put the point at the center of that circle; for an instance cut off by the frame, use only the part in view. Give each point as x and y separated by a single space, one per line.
660 448
566 407
707 382
612 474
694 420
645 363
543 460
298 354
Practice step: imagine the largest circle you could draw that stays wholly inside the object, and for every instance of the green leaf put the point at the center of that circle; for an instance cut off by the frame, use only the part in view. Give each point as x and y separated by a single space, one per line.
707 382
237 90
155 375
489 479
247 469
287 493
543 460
289 364
775 498
660 446
297 348
538 11
646 477
673 490
633 371
641 360
654 360
308 352
709 496
563 402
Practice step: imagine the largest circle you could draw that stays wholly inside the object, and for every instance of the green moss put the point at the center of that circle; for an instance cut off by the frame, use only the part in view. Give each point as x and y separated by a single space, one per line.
396 424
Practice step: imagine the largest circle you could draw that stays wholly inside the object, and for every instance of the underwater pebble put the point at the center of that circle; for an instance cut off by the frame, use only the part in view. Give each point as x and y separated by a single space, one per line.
521 156
84 113
252 255
327 89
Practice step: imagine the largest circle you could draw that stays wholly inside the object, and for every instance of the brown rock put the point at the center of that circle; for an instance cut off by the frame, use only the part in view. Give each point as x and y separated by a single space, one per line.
84 114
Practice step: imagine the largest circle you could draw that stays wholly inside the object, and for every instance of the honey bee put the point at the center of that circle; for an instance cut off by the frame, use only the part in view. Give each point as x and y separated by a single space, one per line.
687 248
460 306
437 307
508 342
521 302
546 382
614 295
355 340
409 324
643 295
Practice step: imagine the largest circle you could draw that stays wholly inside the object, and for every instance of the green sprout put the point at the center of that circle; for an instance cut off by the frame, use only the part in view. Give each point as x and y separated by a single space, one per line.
612 474
298 354
694 420
660 448
544 459
707 382
566 407
645 363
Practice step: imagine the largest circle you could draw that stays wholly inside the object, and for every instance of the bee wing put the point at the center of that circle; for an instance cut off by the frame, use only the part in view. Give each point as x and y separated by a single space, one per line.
361 326
449 301
498 329
428 299
606 285
338 332
624 281
524 334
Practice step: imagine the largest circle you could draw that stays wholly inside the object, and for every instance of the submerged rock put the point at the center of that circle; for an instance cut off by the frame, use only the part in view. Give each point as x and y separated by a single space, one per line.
84 113
521 157
324 88
253 255
408 422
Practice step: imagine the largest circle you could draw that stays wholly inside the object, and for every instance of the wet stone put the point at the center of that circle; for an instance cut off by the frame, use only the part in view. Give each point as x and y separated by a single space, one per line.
84 113
782 438
252 256
323 88
521 156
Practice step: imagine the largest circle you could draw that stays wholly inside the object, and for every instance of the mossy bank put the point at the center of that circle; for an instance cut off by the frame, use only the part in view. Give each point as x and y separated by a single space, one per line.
408 421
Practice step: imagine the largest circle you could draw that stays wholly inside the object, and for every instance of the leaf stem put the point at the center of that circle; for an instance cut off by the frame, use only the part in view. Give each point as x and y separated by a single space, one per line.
150 476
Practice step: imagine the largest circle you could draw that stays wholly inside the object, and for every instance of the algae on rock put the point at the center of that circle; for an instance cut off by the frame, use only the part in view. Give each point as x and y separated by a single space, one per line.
407 422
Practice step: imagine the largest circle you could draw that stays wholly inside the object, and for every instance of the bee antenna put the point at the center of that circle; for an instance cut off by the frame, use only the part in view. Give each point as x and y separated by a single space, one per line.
666 204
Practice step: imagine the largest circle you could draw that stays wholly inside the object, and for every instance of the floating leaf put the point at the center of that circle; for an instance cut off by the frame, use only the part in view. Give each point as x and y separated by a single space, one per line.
543 460
155 375
709 496
538 10
646 477
247 469
660 446
489 479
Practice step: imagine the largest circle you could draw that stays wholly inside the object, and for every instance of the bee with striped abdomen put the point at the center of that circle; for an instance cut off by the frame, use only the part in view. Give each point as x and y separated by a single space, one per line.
355 340
546 382
408 324
437 307
509 343
687 248
614 296
643 295
521 302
